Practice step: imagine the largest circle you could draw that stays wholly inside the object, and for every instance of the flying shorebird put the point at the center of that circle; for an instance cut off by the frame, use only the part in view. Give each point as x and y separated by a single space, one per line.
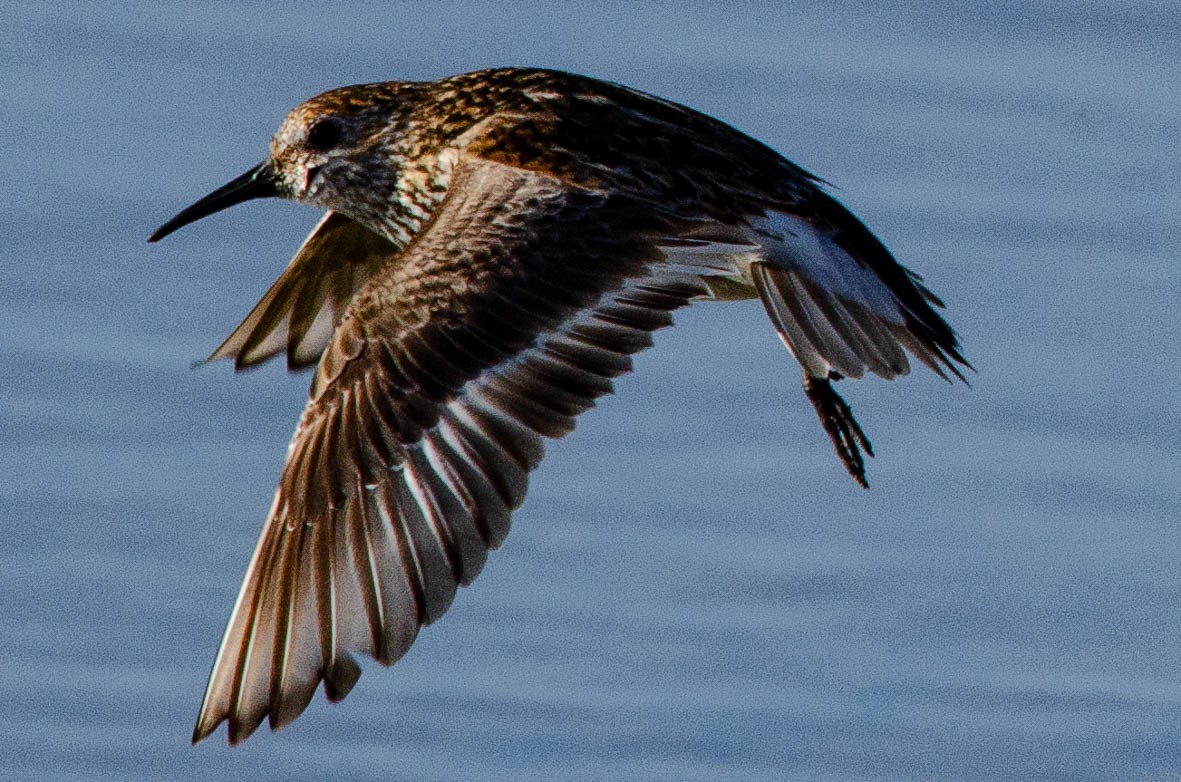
498 244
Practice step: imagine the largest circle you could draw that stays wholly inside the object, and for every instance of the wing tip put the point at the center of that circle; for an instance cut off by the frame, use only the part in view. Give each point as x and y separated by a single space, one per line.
340 678
338 683
207 725
202 731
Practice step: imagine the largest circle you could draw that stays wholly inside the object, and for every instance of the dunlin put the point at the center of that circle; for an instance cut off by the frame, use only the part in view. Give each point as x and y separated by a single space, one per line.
498 244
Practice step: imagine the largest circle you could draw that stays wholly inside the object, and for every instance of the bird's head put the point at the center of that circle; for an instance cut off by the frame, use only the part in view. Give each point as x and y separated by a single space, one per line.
355 150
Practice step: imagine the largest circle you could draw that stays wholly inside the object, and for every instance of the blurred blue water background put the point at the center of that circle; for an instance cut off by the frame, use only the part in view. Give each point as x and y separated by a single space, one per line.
694 590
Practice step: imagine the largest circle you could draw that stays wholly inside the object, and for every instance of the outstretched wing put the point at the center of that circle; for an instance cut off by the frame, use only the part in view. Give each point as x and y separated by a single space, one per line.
300 311
503 320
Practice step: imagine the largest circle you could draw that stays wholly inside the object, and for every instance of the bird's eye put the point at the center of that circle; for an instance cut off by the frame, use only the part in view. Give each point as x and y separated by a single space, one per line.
325 134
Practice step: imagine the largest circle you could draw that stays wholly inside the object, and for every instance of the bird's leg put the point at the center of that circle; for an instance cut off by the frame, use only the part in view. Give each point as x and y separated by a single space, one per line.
847 437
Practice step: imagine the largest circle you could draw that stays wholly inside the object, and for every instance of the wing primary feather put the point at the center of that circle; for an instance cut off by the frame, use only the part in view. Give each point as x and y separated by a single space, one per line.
389 515
353 614
481 501
425 556
365 564
529 411
264 340
520 442
502 472
604 334
524 381
448 513
401 601
325 583
249 702
301 665
284 599
566 376
225 679
585 354
490 509
434 527
633 316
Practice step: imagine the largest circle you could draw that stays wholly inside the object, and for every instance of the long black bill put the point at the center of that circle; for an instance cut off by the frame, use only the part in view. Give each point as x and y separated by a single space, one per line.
258 182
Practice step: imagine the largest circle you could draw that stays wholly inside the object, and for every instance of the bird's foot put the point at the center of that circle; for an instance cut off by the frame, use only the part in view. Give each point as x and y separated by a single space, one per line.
846 436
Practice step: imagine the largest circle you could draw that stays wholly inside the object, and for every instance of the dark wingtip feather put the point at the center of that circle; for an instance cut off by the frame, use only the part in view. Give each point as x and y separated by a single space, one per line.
341 678
240 730
201 732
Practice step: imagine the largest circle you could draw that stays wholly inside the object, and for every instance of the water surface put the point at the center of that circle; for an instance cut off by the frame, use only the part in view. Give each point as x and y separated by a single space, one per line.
694 589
